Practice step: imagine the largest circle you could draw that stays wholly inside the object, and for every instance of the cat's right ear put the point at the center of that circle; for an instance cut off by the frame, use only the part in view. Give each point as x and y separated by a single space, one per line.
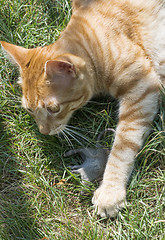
60 73
17 53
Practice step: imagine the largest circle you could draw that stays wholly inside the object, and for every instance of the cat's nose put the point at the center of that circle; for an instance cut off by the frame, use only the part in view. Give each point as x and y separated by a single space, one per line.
44 130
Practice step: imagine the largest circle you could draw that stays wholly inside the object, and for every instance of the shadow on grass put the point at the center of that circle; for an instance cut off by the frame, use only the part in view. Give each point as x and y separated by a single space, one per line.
16 214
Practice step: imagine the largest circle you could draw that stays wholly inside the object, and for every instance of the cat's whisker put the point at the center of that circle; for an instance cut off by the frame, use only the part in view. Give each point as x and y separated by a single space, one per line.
67 138
59 129
77 128
79 135
71 135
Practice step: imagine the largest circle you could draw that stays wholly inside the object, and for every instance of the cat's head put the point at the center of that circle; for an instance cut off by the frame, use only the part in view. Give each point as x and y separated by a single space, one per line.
53 87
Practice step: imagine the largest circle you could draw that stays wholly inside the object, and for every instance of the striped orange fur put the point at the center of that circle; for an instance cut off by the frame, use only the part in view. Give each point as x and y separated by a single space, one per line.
109 46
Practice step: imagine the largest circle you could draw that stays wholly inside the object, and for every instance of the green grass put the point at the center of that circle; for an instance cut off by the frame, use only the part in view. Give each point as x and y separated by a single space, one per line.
32 203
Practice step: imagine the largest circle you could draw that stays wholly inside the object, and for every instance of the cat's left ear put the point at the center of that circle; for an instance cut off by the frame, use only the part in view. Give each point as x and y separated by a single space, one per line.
60 73
18 54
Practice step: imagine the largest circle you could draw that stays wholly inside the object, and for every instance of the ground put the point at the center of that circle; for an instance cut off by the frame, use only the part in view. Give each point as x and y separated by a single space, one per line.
39 197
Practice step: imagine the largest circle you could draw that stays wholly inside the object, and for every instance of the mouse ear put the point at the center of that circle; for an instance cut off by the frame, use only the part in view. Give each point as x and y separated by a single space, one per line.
60 73
72 152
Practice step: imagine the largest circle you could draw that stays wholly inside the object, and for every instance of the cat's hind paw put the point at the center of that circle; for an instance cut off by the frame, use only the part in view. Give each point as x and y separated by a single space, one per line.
108 200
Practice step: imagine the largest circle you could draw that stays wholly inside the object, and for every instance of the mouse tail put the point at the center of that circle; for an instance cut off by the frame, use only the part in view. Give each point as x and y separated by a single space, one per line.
103 133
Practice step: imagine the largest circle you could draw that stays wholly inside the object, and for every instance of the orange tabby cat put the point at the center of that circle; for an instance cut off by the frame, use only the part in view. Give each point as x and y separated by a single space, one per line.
109 46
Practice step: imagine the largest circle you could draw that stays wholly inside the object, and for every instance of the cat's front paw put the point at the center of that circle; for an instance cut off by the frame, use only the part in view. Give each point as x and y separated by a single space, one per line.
109 200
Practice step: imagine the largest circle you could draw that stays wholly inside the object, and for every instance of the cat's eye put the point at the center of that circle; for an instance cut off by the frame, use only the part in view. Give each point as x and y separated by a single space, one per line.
53 109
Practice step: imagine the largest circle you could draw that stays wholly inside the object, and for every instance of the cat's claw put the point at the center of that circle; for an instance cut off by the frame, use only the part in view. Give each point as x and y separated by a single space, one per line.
109 200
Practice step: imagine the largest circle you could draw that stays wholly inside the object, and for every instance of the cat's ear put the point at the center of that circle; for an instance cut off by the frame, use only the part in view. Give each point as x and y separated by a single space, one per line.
60 73
18 54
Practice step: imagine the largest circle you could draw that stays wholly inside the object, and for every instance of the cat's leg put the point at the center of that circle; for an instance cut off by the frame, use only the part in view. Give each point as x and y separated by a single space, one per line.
136 113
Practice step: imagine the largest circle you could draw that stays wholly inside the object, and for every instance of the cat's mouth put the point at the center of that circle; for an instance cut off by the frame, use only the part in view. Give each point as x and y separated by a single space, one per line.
48 131
56 131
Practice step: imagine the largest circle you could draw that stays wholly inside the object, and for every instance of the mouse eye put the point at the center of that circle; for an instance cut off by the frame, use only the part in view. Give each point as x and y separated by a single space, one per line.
53 109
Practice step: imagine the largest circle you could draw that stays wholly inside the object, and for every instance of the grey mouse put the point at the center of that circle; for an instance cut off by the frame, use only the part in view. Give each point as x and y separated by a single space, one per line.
94 160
